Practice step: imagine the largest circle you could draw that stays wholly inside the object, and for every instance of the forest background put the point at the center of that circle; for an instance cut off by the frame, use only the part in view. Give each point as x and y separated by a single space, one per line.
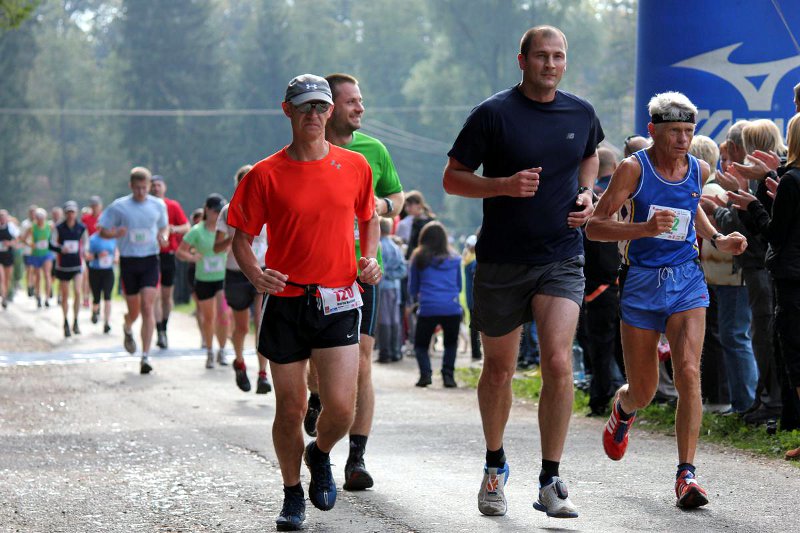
192 88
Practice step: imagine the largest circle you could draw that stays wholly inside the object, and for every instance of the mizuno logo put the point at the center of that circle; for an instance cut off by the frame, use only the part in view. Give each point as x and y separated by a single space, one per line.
743 76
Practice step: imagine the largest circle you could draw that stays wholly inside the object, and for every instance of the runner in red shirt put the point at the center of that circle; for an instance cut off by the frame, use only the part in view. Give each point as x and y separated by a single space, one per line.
308 195
90 221
178 226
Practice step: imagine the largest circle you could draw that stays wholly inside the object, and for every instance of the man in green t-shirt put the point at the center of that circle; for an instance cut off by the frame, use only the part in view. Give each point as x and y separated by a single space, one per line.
341 130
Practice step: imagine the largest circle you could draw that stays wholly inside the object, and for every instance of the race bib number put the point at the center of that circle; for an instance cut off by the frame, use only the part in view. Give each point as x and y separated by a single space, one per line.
69 247
679 229
140 236
3 246
213 264
341 299
260 251
106 261
42 245
355 229
27 250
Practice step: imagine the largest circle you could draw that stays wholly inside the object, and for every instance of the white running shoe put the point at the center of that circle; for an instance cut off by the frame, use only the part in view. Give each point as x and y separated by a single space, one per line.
554 500
492 498
222 359
210 359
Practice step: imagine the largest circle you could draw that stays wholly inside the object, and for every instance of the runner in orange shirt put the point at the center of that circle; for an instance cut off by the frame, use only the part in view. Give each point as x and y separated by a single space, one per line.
308 195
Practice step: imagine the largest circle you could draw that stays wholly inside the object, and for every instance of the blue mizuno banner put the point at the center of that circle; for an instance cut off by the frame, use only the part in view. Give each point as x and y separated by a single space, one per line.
735 59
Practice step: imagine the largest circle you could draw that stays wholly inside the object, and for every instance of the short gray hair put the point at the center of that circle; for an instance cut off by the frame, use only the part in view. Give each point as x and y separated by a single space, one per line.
671 104
735 133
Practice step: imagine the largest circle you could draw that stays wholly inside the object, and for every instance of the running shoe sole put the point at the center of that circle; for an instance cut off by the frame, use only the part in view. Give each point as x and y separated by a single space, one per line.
264 386
129 343
357 479
692 498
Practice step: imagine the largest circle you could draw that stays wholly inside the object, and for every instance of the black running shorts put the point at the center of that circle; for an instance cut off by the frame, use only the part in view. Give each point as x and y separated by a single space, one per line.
239 292
205 290
137 273
65 275
101 281
292 327
369 311
167 265
504 292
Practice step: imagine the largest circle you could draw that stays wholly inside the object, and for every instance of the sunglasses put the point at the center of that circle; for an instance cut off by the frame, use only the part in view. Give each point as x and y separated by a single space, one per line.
318 107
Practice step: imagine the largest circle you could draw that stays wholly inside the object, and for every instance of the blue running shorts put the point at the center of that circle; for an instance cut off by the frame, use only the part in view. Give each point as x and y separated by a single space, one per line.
649 296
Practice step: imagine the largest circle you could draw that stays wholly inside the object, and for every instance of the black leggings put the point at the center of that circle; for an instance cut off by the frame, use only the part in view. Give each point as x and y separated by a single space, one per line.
101 280
426 326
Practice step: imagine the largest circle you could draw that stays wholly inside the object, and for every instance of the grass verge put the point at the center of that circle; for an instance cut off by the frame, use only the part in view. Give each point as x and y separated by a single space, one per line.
726 430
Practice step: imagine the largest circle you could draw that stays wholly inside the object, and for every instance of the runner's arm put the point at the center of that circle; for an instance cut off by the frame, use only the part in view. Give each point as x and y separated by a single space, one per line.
587 173
397 200
460 180
184 253
369 232
269 281
603 226
222 242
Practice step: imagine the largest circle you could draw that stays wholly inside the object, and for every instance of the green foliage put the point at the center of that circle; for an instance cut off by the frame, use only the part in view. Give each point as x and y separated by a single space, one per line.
14 12
727 430
422 65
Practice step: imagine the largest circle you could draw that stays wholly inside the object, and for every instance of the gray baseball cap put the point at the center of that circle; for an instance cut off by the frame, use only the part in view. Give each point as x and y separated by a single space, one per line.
308 88
71 206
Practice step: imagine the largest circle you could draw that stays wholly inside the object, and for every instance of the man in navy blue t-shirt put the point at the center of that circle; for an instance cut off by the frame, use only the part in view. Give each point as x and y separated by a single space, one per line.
537 145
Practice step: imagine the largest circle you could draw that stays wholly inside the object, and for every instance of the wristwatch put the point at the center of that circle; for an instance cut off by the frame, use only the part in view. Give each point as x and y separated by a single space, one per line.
714 238
389 205
582 189
771 174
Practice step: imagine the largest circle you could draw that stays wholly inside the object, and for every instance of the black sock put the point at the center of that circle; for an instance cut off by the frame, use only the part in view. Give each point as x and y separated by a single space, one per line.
684 466
296 489
313 401
358 444
622 414
164 324
316 454
548 472
496 459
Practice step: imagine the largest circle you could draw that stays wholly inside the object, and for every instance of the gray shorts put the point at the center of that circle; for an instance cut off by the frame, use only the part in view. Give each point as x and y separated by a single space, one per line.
503 291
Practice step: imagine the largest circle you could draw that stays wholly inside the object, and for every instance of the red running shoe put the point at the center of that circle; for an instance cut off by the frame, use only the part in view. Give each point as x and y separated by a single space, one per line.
689 492
615 434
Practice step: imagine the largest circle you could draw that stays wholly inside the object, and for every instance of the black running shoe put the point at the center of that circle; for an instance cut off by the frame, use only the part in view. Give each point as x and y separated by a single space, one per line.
263 386
129 343
38 302
242 381
144 366
30 292
310 421
95 316
106 328
67 332
293 512
322 488
356 476
75 329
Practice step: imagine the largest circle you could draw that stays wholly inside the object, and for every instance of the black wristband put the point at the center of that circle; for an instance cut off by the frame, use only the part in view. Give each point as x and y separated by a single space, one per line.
714 238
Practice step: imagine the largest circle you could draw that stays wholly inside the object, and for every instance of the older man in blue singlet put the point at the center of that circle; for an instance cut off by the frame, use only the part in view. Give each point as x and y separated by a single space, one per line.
662 287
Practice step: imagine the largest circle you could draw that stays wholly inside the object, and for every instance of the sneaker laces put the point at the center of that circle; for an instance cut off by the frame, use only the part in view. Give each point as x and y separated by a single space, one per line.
322 474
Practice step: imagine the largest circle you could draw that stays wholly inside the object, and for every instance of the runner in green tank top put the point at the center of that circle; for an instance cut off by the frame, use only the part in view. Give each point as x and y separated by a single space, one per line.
37 236
341 131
